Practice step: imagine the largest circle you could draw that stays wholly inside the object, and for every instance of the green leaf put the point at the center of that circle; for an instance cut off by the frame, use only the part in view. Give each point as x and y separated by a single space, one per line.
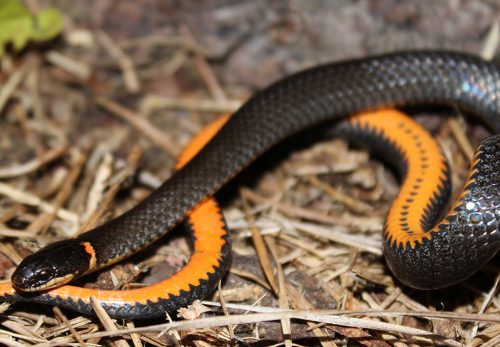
18 26
47 25
11 9
15 24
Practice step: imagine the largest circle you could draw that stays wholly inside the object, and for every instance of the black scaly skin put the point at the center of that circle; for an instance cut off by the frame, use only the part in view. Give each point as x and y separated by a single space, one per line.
154 308
482 189
469 239
311 97
471 236
297 102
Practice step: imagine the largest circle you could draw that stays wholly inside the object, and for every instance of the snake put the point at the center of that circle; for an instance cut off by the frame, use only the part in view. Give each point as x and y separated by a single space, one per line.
424 247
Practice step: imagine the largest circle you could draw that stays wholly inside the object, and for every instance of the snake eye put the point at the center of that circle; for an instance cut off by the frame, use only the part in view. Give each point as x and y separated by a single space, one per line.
51 266
44 273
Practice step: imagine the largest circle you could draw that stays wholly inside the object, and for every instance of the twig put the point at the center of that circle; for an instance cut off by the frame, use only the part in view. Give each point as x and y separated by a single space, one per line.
11 343
461 138
132 161
106 321
67 187
77 68
363 223
136 340
24 332
19 234
320 316
126 65
230 327
11 252
286 325
491 41
22 117
358 242
140 124
250 276
259 245
166 39
493 342
299 302
205 70
486 302
68 324
32 200
43 221
153 102
13 82
34 164
97 188
351 203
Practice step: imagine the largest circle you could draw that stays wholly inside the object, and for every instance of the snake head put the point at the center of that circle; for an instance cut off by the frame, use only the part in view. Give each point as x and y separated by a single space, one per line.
53 266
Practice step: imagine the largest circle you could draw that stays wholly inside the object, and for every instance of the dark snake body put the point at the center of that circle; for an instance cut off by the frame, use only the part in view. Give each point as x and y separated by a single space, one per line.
327 93
313 96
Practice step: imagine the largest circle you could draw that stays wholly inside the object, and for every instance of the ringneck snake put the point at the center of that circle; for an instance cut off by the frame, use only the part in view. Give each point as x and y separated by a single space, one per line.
422 248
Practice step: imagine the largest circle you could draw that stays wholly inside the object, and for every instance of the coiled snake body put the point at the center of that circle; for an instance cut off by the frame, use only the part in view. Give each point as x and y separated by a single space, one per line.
420 254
